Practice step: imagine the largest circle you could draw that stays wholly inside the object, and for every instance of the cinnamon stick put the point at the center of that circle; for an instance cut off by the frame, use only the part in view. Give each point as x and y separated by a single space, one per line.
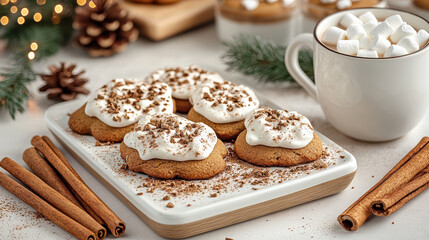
44 171
45 209
114 223
390 203
414 162
53 197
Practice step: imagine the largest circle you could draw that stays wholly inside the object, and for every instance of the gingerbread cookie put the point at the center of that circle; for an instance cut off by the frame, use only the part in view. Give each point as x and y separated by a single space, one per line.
113 110
169 146
223 106
278 138
183 81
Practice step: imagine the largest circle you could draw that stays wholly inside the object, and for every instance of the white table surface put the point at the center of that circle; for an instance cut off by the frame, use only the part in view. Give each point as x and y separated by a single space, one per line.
315 220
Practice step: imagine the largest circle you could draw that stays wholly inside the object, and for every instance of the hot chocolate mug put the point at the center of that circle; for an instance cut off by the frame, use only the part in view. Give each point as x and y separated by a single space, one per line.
370 99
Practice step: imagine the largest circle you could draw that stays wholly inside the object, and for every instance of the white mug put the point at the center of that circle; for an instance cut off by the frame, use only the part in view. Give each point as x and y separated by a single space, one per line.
365 98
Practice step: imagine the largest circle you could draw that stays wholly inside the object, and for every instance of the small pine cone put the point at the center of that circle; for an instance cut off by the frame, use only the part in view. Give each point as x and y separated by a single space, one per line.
62 84
105 29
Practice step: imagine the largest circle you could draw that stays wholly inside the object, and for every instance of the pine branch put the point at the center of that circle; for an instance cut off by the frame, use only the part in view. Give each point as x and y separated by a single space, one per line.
263 59
49 37
13 87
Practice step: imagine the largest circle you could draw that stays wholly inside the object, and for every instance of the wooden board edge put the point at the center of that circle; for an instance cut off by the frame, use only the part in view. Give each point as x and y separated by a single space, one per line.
226 219
169 28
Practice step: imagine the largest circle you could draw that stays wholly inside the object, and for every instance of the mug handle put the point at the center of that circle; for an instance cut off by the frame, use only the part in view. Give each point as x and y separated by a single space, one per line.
292 63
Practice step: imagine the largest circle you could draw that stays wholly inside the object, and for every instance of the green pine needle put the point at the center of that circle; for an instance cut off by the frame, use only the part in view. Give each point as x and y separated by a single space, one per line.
263 59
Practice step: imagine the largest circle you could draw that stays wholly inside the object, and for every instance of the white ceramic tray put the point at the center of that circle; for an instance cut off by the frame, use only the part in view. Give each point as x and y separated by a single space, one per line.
238 196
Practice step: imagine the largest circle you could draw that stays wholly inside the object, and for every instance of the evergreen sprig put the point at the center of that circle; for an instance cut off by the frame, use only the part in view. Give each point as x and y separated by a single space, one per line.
263 59
50 33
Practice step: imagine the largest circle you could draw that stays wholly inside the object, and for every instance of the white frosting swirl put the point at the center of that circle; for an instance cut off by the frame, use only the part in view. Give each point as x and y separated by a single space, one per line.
171 137
278 128
183 80
223 101
122 102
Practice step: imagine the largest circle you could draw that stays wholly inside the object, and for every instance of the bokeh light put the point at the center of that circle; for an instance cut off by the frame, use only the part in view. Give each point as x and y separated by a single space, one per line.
4 20
37 17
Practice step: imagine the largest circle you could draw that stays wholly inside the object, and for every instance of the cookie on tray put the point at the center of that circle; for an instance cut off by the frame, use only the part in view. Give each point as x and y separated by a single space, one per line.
223 106
278 138
113 110
168 146
183 81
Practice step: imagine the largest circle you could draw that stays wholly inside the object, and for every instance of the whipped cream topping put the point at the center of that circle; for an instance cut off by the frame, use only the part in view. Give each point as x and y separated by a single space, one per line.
278 128
122 102
183 80
223 101
171 137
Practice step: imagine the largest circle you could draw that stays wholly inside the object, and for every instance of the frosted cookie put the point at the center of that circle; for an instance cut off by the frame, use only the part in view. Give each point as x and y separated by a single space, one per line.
223 106
183 81
278 138
113 110
169 146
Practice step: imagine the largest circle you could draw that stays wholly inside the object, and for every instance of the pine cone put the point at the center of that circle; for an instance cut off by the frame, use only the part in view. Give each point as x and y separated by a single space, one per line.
62 84
105 29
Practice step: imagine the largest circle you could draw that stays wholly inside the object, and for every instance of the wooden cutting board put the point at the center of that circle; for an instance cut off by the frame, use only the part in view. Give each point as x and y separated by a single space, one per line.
158 22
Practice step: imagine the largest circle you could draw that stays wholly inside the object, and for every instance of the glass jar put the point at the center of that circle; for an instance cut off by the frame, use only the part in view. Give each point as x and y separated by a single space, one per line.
315 10
275 20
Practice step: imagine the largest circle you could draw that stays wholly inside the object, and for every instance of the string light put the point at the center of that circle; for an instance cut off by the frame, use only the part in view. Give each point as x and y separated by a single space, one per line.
81 2
24 12
58 8
4 2
34 46
21 20
4 20
31 55
41 2
37 17
91 4
13 9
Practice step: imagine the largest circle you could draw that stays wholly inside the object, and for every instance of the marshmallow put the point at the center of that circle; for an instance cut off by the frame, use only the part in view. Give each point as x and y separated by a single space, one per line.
368 17
422 37
402 31
349 47
349 19
380 44
395 21
355 31
395 50
369 26
343 4
383 29
410 44
333 35
367 53
365 42
250 5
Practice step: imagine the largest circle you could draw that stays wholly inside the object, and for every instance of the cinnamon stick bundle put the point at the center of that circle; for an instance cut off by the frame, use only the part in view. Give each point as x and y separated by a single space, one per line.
44 171
64 160
114 223
53 197
413 163
390 203
45 209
